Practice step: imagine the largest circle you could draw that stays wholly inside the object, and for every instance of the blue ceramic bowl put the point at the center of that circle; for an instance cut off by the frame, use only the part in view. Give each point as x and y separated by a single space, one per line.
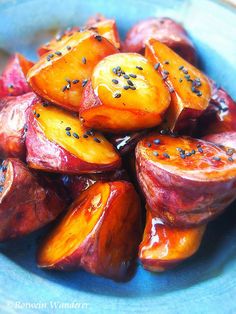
204 284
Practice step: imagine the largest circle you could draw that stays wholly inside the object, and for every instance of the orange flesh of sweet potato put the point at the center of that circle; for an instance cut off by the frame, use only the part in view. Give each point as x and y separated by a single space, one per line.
100 232
61 79
189 87
163 247
92 149
134 100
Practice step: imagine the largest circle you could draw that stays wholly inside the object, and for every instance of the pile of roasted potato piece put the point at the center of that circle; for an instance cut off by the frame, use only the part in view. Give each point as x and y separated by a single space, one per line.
99 132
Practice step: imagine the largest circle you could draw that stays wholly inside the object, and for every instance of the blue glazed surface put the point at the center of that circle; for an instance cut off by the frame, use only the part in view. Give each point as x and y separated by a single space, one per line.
204 284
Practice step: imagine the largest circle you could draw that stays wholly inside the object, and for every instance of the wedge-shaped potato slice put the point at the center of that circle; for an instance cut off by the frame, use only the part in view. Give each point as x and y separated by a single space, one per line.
12 80
57 141
13 124
106 28
164 247
189 87
61 75
227 139
186 181
125 94
27 201
100 232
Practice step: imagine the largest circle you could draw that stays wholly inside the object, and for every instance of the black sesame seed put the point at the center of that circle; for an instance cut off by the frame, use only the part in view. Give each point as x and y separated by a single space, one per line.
4 168
181 67
156 66
75 81
163 132
37 115
130 83
188 154
187 76
10 86
114 70
200 150
68 133
118 68
171 89
216 158
96 140
164 77
132 87
90 132
117 95
98 37
64 88
230 152
68 81
199 93
75 135
48 58
126 76
166 155
126 87
139 67
166 62
182 156
115 81
85 136
155 153
149 144
58 53
68 47
179 149
34 112
165 72
156 141
133 75
185 71
180 80
193 89
51 55
193 152
45 104
84 60
84 82
230 159
68 128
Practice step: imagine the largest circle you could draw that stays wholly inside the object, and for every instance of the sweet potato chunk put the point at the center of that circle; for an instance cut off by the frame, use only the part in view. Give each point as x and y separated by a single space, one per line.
186 182
163 247
13 124
125 94
27 202
57 141
76 184
105 28
12 80
100 232
61 75
227 139
166 31
190 88
220 115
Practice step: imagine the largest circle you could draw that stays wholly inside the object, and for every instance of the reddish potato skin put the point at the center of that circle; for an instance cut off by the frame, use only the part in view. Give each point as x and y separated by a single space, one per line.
13 124
227 139
93 254
48 156
27 202
220 116
76 184
13 81
166 31
179 201
164 247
